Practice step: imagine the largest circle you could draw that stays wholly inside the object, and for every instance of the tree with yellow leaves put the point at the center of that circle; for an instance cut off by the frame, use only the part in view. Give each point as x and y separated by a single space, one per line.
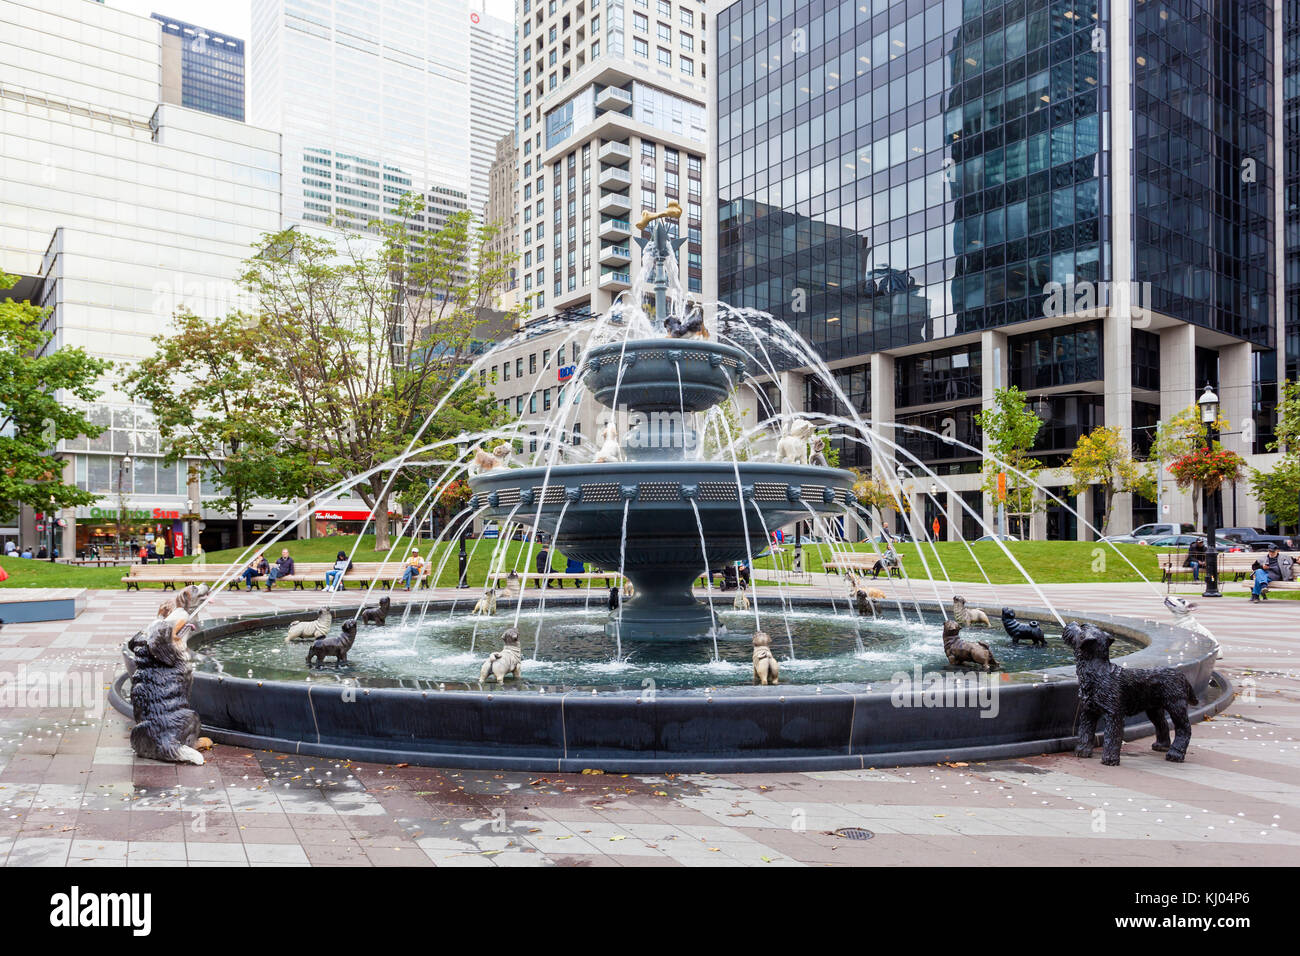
1102 458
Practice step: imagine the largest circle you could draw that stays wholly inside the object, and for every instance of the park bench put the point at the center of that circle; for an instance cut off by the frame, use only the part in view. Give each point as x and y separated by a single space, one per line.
501 578
859 562
169 575
1235 563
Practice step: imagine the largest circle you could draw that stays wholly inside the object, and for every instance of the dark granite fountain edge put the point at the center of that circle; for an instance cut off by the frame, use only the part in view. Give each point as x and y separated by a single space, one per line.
784 728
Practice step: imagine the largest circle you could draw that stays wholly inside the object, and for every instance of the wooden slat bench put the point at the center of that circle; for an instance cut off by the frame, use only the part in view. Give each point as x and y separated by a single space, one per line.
859 562
305 572
499 579
1235 563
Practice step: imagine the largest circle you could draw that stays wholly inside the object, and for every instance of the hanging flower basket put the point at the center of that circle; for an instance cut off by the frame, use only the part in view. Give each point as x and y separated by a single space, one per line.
1207 468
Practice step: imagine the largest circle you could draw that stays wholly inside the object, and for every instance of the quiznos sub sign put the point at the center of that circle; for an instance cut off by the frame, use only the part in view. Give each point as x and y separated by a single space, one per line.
134 514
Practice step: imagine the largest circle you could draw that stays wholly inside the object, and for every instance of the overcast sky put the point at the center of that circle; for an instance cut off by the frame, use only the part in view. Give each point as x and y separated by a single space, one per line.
231 16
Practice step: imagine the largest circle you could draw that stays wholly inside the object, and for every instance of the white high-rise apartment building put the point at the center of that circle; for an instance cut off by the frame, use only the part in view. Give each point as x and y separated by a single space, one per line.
116 209
372 99
612 103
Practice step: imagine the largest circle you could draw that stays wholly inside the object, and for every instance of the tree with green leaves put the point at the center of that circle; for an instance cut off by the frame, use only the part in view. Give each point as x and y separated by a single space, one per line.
36 383
1011 428
370 332
1181 435
1278 489
213 403
1102 458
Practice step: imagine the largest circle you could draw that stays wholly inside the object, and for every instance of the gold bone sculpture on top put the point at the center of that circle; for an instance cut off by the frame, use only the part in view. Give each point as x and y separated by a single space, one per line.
674 211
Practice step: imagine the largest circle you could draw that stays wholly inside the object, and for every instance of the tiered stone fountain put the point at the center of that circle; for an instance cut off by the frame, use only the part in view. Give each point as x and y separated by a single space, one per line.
656 516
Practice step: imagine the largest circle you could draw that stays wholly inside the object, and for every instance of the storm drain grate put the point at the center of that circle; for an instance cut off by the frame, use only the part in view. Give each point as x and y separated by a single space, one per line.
854 833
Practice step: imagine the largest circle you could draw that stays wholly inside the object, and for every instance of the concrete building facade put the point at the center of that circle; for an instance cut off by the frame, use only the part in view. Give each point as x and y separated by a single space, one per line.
612 122
116 210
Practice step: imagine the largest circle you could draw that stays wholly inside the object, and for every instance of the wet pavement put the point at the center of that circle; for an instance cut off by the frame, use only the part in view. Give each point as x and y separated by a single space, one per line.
72 792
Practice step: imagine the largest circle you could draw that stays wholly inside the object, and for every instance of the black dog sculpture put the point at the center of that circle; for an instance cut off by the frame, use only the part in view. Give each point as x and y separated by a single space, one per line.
377 615
1112 693
1019 630
615 598
336 645
166 727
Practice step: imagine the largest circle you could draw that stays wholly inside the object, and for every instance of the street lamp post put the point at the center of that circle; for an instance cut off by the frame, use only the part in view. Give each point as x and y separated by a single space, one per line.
462 559
53 523
121 498
1209 404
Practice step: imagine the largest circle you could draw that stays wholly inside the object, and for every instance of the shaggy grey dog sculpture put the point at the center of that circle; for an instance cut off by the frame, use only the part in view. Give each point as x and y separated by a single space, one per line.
166 727
1111 693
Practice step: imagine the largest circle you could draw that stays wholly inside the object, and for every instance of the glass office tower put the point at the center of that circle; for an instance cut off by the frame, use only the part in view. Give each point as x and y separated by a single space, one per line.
201 68
957 195
372 98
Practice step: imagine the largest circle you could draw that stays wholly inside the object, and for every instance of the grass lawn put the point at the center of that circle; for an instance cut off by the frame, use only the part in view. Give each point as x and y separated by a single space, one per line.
1048 561
43 574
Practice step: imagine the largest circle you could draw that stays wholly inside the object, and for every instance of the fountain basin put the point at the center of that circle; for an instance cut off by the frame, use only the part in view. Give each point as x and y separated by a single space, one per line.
724 729
738 505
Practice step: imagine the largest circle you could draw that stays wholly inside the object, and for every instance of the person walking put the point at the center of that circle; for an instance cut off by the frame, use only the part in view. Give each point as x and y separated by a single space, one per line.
283 569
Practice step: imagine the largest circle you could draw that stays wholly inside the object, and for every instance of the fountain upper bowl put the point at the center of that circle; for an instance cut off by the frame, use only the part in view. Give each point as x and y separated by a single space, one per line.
664 374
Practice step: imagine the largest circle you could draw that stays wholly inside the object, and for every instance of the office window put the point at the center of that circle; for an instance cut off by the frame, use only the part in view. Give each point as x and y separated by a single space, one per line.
641 22
687 66
665 57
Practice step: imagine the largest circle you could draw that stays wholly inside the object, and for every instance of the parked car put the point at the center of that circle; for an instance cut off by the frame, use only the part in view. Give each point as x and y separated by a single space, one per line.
1162 529
1254 539
1184 541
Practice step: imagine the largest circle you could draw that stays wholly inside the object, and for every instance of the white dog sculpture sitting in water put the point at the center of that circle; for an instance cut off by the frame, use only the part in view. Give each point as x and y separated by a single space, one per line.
312 630
487 604
793 446
505 662
609 449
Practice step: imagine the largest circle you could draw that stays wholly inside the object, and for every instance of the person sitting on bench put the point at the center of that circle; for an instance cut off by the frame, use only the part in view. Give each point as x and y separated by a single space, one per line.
283 569
256 568
574 566
887 562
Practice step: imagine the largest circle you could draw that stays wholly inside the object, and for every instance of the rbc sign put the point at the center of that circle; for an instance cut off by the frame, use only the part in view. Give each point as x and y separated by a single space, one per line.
566 372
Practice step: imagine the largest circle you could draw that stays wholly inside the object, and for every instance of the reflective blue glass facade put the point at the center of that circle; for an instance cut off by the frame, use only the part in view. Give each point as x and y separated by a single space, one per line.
894 173
211 65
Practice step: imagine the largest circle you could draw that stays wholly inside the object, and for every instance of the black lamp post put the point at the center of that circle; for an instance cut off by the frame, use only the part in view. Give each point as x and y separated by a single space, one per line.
1209 403
54 526
462 559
